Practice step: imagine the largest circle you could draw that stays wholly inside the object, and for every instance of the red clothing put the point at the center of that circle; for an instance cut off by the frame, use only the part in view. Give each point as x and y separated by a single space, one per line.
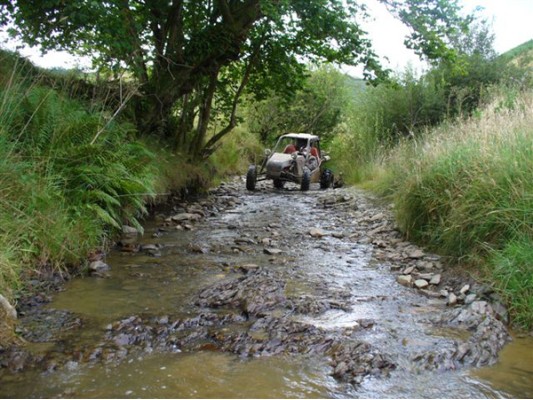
314 152
290 149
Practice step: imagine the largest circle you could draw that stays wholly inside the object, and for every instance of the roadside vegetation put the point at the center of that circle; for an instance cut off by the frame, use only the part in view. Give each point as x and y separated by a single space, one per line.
71 176
188 92
454 154
465 189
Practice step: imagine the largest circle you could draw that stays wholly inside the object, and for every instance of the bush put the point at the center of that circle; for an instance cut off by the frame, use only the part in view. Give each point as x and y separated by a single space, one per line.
69 178
512 270
466 188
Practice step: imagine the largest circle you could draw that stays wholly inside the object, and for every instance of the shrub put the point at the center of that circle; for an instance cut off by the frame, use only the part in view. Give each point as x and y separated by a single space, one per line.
466 189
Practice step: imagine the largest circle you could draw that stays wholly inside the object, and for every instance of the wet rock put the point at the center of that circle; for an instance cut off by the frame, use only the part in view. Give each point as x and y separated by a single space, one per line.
404 280
377 217
244 240
199 249
248 267
129 230
435 280
421 283
6 309
272 251
501 312
470 298
415 254
128 247
431 294
185 217
408 270
488 334
465 289
452 299
316 233
255 293
98 267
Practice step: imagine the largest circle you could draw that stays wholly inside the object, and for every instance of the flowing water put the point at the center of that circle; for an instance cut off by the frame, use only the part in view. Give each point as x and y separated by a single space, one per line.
336 267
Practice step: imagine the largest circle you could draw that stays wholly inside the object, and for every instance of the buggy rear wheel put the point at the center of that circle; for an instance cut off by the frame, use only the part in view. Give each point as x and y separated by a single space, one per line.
326 179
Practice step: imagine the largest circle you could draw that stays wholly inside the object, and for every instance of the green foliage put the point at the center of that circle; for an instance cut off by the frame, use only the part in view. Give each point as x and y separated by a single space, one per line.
316 108
236 153
176 50
524 50
466 190
512 270
434 24
380 116
64 188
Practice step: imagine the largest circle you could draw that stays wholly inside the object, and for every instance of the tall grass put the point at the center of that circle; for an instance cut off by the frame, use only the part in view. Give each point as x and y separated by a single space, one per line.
236 152
71 176
466 189
62 193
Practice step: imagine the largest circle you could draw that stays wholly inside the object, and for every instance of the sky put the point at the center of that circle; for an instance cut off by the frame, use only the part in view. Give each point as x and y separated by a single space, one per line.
512 22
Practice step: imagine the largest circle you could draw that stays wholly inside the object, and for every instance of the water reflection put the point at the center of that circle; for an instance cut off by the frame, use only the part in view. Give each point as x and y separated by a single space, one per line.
512 375
198 375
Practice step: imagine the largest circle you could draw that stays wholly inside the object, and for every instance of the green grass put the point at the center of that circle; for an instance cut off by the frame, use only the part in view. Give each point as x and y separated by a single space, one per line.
512 270
62 192
70 177
466 190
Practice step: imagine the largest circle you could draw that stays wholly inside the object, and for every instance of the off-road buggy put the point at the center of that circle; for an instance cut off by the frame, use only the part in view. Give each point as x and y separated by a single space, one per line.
297 158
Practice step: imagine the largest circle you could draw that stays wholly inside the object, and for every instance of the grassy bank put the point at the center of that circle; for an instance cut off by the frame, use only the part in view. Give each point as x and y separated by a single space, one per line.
71 175
466 189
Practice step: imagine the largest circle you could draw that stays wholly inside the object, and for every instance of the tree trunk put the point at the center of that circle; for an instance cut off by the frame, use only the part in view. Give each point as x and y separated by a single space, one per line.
197 143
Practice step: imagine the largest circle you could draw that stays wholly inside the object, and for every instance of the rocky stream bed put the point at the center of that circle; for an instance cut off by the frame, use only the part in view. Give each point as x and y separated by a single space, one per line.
316 278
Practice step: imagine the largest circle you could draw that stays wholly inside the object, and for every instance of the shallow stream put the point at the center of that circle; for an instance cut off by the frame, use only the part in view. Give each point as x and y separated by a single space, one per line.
335 270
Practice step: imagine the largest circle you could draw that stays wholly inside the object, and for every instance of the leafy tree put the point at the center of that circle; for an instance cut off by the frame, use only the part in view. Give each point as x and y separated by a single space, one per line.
480 68
177 50
434 25
187 55
316 108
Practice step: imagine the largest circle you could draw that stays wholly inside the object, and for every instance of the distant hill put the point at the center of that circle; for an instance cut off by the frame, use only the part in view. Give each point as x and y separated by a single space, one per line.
521 56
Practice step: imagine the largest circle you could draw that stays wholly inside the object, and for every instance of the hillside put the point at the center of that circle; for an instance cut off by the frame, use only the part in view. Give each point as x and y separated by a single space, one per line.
520 56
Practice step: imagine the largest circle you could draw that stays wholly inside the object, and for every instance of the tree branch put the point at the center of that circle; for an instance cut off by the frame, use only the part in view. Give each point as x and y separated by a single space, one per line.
209 147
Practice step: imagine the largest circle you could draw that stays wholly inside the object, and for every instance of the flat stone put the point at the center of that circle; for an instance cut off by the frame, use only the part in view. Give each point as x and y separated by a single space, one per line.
244 240
404 280
272 252
377 217
435 280
248 267
98 266
421 283
470 298
431 294
129 230
452 299
465 289
185 217
316 233
408 270
9 310
415 254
